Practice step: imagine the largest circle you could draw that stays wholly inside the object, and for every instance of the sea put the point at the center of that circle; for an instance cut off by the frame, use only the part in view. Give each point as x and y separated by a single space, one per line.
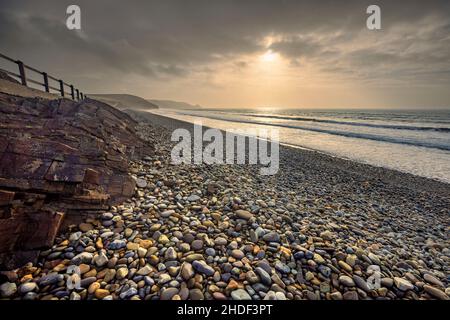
412 141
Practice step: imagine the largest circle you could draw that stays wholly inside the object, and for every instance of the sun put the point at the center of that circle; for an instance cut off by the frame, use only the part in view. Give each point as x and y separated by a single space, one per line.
269 56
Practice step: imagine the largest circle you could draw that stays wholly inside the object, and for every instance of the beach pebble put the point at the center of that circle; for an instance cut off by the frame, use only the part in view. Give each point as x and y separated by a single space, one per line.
403 284
7 289
240 294
243 214
202 267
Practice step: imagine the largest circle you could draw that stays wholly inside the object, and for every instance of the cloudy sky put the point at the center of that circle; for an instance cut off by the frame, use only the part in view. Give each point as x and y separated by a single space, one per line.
241 53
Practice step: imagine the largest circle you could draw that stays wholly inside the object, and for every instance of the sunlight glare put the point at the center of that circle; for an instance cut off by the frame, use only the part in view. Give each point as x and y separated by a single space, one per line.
269 56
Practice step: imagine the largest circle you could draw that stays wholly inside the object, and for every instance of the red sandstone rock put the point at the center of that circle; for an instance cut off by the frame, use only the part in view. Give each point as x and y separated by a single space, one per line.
59 157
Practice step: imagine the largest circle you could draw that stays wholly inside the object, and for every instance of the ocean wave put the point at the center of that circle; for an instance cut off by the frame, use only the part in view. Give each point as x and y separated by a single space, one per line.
362 124
336 132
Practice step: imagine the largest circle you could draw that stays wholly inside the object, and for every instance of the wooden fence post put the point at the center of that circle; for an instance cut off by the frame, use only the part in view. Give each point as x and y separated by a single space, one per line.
72 91
47 89
61 87
23 77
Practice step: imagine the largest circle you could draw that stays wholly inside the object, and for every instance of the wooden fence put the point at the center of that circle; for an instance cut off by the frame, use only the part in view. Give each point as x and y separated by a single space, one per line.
58 85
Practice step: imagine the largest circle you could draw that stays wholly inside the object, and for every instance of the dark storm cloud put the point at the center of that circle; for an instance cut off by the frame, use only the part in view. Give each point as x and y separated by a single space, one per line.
175 38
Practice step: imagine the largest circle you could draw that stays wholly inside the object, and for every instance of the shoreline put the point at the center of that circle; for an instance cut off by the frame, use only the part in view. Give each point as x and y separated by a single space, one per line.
378 172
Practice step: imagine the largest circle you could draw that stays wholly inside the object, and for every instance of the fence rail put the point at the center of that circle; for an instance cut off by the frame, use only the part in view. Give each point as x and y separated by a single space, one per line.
60 87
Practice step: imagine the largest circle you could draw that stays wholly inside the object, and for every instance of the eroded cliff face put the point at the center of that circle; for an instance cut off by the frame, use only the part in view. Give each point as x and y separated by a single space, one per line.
59 159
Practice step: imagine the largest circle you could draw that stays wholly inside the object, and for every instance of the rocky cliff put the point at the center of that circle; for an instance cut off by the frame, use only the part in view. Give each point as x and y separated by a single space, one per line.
59 159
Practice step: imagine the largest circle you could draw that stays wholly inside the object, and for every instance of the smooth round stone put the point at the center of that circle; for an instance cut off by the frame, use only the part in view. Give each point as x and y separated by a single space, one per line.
318 258
196 294
309 254
184 247
327 235
350 295
101 293
75 236
93 287
220 241
219 296
240 294
346 281
149 281
345 266
243 214
265 277
325 287
106 234
109 275
210 252
164 278
188 237
141 252
403 284
280 295
197 245
202 267
107 223
163 239
361 283
336 295
282 267
30 296
435 292
351 260
74 296
50 279
433 280
84 257
264 264
8 289
253 236
237 254
193 198
101 259
187 271
121 273
141 183
270 296
251 277
144 270
168 293
166 214
117 244
69 255
299 255
87 281
170 254
128 293
128 232
271 237
325 271
27 287
107 216
178 234
132 246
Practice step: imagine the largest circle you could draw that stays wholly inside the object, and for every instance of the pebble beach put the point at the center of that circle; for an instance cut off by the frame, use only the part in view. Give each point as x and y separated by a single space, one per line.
313 231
